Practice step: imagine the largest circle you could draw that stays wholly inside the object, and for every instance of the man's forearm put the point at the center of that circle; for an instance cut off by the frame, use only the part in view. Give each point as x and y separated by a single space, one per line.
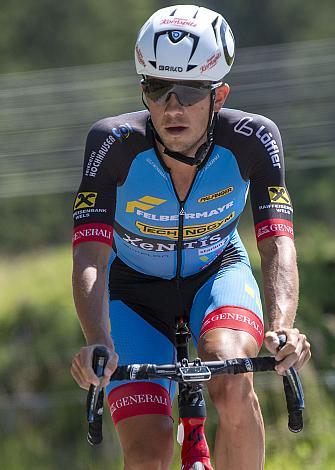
280 281
90 297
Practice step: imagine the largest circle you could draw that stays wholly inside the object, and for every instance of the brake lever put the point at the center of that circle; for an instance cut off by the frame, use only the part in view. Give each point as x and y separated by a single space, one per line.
95 397
294 395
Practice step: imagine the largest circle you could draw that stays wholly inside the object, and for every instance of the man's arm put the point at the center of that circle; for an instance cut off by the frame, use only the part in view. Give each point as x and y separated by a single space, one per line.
90 268
281 292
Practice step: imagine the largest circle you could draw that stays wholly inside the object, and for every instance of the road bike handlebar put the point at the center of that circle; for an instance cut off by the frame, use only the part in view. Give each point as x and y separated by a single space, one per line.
196 371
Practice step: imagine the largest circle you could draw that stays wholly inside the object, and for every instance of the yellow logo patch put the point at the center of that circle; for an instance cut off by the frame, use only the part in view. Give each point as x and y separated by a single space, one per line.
190 231
279 195
211 197
85 200
144 203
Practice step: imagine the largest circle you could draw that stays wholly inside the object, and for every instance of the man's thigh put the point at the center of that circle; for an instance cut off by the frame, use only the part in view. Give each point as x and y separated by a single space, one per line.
229 300
137 342
146 437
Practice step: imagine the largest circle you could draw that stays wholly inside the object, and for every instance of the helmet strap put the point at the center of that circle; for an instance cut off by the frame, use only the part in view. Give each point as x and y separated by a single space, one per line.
204 148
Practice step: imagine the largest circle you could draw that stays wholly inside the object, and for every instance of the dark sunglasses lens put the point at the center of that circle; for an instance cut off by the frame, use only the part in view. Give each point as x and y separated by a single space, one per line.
158 91
189 96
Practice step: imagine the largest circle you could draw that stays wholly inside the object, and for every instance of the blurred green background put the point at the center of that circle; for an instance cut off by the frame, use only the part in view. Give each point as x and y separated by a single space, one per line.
66 64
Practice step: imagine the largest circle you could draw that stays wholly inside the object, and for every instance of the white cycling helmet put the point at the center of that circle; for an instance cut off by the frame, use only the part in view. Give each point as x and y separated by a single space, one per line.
185 42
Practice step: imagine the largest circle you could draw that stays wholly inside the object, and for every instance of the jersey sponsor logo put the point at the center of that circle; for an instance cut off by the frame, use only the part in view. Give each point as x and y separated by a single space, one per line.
121 132
190 231
138 398
235 318
85 200
187 215
266 138
278 194
212 248
216 241
274 228
242 126
93 233
221 193
156 167
280 208
212 161
83 213
145 203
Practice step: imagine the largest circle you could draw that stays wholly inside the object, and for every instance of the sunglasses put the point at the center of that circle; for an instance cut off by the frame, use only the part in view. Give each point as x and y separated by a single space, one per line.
188 94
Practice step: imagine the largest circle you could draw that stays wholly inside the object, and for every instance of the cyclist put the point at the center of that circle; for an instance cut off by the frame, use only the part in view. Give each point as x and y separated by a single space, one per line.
156 221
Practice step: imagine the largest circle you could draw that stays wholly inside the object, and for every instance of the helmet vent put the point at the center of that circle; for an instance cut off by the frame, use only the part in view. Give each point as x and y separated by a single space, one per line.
174 12
195 14
214 23
195 43
228 57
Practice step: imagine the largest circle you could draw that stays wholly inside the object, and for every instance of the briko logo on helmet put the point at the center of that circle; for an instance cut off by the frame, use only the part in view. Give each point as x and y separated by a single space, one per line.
170 68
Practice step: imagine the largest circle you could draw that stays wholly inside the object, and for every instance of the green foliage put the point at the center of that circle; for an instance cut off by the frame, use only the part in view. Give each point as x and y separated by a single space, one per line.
35 221
39 34
46 34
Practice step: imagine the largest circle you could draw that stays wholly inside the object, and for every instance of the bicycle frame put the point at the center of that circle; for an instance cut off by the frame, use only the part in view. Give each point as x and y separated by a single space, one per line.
192 410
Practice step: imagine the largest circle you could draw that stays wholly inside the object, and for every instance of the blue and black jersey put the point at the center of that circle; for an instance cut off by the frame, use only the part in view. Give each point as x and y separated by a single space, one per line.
127 198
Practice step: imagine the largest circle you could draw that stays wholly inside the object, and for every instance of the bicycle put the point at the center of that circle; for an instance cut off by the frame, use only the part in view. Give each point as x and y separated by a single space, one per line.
191 404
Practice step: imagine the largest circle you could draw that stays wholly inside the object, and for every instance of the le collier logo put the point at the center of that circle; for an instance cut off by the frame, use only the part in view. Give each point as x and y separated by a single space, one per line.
85 200
144 203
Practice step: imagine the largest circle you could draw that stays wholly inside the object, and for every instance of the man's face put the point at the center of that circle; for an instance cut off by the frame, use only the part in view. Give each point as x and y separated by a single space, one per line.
182 128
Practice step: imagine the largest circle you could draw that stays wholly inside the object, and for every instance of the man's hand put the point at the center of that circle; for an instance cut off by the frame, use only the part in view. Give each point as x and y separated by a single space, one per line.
295 353
81 368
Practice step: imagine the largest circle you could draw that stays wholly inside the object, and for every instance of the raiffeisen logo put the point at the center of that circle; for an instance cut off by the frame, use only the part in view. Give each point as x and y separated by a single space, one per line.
278 194
145 203
85 200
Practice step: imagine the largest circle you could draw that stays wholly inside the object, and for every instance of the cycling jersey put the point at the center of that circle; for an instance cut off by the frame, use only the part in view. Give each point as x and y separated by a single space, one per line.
127 198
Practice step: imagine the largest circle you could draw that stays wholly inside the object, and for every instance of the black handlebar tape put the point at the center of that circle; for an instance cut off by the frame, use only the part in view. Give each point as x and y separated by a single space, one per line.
293 394
264 364
95 398
294 399
140 371
245 365
94 435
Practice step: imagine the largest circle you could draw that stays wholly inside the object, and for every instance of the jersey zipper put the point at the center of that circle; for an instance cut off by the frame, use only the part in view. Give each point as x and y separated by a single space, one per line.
181 218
